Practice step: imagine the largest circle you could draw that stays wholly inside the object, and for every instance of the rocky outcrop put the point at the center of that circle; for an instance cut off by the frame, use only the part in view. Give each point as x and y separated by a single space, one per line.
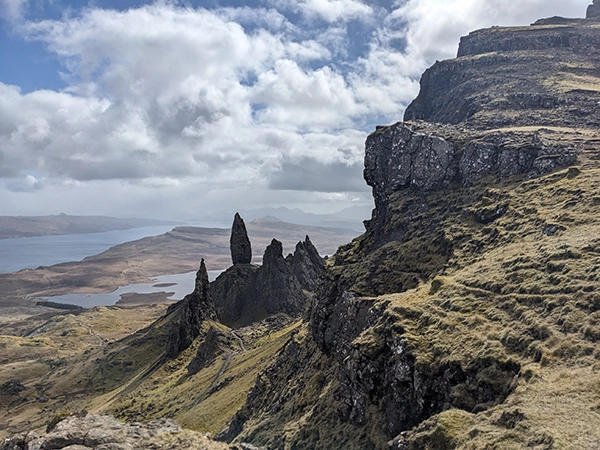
84 431
593 11
529 39
234 292
277 289
239 243
379 367
12 387
245 293
306 264
189 314
434 157
516 77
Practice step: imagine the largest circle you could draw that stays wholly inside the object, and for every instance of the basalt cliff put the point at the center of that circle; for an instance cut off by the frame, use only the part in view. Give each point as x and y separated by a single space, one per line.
467 316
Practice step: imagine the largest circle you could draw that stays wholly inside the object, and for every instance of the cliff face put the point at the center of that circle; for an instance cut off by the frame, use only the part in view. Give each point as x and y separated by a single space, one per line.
545 74
426 157
446 324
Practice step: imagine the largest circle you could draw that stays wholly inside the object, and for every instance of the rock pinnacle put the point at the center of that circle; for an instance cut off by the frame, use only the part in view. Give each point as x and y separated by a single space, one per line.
239 244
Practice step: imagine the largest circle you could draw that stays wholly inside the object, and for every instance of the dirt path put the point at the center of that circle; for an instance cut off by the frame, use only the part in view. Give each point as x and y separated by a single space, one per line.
96 335
242 348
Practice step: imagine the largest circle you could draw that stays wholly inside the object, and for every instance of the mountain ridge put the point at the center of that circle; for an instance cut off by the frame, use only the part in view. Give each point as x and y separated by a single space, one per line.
437 328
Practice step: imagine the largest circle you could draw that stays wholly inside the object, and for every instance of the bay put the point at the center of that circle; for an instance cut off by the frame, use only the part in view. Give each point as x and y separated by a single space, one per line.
180 284
31 252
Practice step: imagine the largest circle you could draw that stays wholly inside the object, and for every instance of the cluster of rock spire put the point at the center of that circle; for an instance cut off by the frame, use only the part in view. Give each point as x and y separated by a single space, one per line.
245 292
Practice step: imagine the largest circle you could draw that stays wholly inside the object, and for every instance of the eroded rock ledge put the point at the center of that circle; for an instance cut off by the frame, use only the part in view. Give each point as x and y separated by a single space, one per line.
427 157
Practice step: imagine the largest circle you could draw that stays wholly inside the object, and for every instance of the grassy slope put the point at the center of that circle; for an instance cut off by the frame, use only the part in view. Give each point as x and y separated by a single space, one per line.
111 360
509 292
505 293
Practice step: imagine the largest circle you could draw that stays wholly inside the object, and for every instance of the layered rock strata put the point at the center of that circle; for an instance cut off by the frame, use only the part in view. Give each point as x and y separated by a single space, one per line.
538 75
427 157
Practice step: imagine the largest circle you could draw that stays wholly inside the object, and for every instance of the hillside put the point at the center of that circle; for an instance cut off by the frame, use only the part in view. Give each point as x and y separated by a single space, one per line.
467 316
462 317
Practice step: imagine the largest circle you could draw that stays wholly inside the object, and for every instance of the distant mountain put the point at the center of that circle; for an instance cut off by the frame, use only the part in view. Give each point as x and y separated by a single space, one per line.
348 218
29 226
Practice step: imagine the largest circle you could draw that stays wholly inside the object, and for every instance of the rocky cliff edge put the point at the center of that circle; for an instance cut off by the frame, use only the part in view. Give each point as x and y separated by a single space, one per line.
451 321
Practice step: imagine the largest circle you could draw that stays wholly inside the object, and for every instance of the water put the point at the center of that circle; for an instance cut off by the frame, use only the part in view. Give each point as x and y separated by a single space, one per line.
183 284
32 252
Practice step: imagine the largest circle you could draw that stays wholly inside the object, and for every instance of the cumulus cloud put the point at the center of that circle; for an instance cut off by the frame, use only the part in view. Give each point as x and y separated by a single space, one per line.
172 101
333 10
12 9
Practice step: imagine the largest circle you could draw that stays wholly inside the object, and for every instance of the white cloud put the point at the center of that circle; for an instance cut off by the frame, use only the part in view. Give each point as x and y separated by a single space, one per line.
295 98
12 9
328 10
199 107
333 10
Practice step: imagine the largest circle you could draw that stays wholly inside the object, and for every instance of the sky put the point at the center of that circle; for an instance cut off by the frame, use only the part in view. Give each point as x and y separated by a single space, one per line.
169 109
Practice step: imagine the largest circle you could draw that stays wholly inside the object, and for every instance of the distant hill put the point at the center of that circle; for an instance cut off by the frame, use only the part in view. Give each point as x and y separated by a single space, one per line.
29 226
349 218
178 251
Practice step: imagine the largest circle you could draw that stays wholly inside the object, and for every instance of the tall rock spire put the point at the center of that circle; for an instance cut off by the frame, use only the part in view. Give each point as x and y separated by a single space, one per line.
306 264
194 309
239 244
